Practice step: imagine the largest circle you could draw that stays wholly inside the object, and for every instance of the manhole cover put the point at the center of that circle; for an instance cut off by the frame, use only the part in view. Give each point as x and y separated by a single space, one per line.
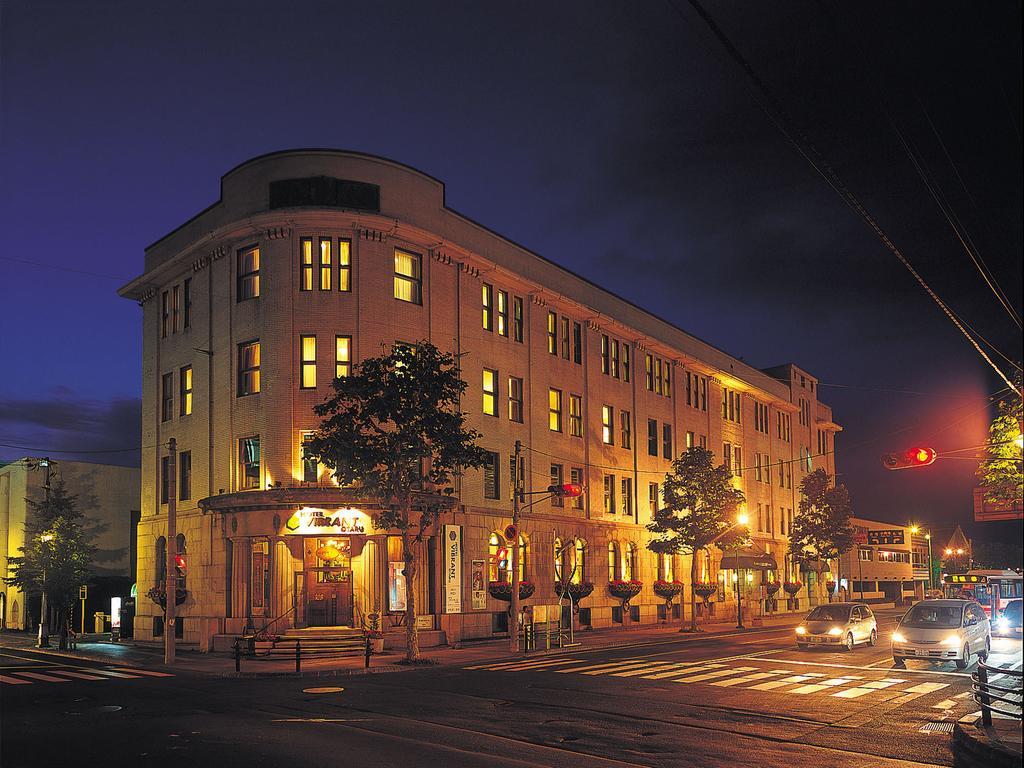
330 689
946 726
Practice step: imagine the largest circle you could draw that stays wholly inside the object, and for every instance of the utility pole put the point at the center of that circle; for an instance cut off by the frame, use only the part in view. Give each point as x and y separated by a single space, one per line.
44 608
171 582
513 625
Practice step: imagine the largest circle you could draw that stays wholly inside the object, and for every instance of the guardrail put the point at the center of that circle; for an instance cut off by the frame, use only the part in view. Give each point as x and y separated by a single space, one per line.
985 692
292 649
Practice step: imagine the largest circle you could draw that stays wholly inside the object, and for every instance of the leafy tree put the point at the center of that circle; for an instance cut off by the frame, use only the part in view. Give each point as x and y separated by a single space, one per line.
1005 553
1000 473
822 530
58 553
394 429
699 501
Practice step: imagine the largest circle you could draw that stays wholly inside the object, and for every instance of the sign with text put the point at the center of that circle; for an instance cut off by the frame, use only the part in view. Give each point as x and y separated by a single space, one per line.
396 586
452 537
891 536
479 586
312 521
964 578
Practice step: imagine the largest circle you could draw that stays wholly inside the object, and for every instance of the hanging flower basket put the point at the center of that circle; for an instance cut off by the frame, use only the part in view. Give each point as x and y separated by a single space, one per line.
572 590
792 587
625 590
159 596
704 591
831 586
502 590
772 588
667 589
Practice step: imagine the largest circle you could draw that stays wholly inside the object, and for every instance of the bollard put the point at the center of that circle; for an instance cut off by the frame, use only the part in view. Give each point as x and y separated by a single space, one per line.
366 660
986 713
298 656
238 656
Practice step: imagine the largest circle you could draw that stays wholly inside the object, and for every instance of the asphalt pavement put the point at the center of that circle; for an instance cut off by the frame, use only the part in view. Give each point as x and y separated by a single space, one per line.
744 698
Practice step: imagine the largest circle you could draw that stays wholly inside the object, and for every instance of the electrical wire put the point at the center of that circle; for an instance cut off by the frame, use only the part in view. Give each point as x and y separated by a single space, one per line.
773 109
64 269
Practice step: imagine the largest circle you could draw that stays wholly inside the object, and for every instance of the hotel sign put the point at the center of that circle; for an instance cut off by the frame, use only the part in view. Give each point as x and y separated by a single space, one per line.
893 536
452 535
311 521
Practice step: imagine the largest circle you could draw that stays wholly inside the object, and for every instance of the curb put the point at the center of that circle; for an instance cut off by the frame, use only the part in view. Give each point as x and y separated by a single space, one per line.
972 747
319 672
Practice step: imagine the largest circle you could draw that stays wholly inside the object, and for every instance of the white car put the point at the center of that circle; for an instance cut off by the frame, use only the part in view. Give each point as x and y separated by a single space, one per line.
844 624
943 630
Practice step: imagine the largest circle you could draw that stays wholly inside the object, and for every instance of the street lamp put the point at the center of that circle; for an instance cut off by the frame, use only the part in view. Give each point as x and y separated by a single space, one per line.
915 529
43 640
741 519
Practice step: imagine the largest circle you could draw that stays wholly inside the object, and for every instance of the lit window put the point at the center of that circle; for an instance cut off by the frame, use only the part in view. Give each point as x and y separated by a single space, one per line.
185 391
608 425
342 356
559 559
248 273
629 563
556 478
501 567
555 410
609 494
627 496
249 462
658 376
515 399
344 265
615 359
552 333
490 388
248 368
166 397
487 303
326 264
307 364
579 565
625 361
306 268
576 415
614 562
503 313
408 276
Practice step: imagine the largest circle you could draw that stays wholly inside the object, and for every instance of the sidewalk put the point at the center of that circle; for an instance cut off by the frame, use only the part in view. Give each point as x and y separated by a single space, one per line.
469 652
994 746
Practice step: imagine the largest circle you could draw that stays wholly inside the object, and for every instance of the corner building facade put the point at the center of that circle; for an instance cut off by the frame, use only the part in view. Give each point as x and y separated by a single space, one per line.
312 260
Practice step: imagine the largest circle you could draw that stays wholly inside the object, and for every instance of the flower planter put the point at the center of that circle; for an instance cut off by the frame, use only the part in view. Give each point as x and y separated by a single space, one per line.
772 588
159 596
667 590
502 590
574 591
792 587
625 590
704 591
377 644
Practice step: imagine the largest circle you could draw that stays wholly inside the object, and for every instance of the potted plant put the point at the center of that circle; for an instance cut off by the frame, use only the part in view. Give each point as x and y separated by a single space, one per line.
159 596
575 591
772 588
502 590
374 633
705 590
625 590
791 588
667 589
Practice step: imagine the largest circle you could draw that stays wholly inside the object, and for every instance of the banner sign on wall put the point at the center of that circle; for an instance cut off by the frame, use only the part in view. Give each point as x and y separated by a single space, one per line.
479 586
452 538
893 536
396 585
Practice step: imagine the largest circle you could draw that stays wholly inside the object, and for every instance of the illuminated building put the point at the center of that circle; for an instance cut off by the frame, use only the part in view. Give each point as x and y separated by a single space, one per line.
313 260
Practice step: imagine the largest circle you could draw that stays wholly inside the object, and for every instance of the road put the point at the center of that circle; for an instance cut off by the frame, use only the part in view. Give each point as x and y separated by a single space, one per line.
746 699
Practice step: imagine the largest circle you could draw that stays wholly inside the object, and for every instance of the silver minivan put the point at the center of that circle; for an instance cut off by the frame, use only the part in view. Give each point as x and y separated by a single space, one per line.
943 630
844 624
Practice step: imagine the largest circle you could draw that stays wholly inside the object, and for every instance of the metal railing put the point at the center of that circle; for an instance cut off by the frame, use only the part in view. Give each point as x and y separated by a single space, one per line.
985 692
292 649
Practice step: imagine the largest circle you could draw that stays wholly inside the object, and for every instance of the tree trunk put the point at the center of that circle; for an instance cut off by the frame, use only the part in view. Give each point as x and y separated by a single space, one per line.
693 593
412 639
62 629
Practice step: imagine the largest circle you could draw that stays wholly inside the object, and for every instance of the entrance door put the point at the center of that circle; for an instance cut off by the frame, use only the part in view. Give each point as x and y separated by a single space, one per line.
328 582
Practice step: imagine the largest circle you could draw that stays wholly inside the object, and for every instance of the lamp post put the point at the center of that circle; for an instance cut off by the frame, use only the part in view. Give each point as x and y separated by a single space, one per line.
44 620
914 530
741 519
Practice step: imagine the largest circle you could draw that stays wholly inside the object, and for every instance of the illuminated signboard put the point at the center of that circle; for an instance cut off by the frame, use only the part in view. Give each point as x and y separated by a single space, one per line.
311 521
894 536
964 578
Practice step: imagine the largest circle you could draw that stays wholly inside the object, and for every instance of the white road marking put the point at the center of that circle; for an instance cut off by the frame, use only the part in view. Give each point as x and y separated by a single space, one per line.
944 704
745 679
659 666
111 673
534 667
677 672
772 685
148 672
884 683
712 675
605 665
927 688
853 693
47 678
520 662
609 670
14 680
82 675
820 686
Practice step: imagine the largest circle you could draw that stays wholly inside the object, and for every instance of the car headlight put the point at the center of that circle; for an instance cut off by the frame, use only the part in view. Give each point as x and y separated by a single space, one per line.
952 640
898 638
835 631
801 630
1003 623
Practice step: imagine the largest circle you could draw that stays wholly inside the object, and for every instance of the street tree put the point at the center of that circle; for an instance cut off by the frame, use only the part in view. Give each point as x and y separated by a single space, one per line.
394 429
57 556
699 504
822 530
1001 472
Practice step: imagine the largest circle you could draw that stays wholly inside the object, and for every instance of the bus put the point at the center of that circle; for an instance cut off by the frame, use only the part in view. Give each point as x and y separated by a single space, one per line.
992 588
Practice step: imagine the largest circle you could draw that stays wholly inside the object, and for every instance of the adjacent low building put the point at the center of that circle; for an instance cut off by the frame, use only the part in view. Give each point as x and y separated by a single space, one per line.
881 566
313 260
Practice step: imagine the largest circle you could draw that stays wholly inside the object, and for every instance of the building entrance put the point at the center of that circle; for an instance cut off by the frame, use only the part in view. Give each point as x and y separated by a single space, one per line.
327 582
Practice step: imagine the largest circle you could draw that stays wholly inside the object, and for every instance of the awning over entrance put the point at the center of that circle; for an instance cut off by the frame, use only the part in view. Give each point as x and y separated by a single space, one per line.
748 558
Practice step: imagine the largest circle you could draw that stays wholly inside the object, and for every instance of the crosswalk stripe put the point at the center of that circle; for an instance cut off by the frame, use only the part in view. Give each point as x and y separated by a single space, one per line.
927 687
745 679
853 693
81 675
964 695
47 678
712 675
773 684
880 684
14 680
109 673
518 662
944 704
526 667
149 672
822 685
681 671
621 664
660 666
607 671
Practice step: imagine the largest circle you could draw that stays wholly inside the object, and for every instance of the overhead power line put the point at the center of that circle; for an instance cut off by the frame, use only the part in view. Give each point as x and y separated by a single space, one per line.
773 109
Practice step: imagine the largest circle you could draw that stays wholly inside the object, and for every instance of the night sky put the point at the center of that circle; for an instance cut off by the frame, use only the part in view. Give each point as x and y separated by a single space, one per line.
619 140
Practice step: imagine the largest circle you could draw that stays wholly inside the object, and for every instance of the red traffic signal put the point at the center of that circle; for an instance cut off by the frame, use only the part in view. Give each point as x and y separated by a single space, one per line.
912 457
566 490
180 563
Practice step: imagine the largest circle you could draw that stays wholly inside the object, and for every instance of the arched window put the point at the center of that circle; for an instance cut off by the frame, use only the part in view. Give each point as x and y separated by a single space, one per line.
182 559
668 569
501 558
614 564
161 561
559 559
629 563
579 569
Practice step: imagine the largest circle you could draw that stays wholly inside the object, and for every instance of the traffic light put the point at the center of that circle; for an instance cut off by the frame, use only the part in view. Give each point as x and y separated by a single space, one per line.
912 457
566 490
180 565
